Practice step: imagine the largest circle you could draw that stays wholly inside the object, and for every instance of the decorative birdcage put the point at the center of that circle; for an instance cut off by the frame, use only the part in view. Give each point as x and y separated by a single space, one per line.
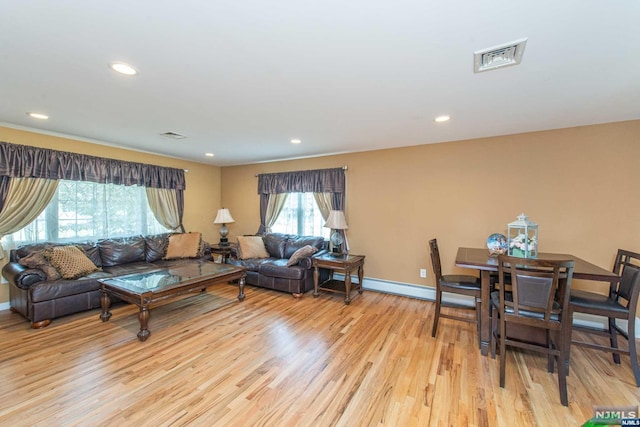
522 237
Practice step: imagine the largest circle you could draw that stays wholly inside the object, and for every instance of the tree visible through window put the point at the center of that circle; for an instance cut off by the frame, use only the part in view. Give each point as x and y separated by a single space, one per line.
301 215
91 211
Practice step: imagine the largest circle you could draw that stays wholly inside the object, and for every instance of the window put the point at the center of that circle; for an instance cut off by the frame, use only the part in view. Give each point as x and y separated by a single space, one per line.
91 211
301 215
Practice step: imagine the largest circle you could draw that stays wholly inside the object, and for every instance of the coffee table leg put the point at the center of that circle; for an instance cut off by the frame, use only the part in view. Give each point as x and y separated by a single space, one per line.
143 316
105 302
241 289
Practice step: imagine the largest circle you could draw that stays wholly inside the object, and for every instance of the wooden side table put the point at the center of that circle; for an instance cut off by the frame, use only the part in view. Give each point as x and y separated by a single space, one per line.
345 264
224 250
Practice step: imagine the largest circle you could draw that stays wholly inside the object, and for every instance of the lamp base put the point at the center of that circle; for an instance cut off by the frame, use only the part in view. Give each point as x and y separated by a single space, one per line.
336 244
337 251
224 232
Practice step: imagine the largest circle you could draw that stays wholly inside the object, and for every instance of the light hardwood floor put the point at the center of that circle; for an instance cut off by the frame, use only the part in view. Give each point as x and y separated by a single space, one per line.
276 361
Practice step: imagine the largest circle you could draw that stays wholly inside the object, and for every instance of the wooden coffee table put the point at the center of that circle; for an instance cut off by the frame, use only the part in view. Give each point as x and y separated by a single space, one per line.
145 289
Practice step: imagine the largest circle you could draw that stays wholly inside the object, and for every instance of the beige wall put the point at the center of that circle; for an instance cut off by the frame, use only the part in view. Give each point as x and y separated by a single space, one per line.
201 197
578 184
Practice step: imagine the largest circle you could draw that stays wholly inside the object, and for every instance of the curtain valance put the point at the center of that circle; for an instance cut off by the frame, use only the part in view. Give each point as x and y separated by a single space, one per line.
23 161
309 181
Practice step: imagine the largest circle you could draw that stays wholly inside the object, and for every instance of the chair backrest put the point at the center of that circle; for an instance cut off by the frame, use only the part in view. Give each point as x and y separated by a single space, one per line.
539 288
435 259
627 265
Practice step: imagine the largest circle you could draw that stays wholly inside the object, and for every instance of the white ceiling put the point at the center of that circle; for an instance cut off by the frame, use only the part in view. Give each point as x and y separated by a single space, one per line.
242 78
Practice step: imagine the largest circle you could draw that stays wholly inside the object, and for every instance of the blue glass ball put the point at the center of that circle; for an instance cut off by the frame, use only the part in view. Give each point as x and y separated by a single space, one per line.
497 244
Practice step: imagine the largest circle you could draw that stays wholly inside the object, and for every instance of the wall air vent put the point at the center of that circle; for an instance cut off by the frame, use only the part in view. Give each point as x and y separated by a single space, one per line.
499 56
173 135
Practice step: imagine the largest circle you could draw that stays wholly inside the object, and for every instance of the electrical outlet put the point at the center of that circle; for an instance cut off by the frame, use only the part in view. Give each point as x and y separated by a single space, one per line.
423 272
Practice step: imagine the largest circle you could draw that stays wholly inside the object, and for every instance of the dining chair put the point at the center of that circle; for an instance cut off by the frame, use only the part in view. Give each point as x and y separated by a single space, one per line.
460 284
538 297
621 303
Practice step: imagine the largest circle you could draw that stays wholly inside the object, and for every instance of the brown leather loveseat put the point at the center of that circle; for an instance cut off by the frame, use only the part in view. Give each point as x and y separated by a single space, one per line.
272 271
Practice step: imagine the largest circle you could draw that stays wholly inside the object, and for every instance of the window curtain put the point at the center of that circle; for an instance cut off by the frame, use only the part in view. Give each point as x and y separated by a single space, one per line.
330 181
310 181
324 203
270 207
4 189
26 198
167 206
23 161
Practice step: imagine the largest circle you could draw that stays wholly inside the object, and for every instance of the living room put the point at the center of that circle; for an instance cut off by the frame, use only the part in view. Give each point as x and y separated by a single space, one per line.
578 174
576 182
439 190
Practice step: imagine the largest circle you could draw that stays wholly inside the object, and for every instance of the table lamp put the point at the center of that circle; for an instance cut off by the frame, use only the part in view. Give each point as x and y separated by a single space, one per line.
336 222
223 217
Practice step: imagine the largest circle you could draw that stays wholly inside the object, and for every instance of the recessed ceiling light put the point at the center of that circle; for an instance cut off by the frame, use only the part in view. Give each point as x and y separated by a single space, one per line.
38 116
123 68
296 141
208 154
441 119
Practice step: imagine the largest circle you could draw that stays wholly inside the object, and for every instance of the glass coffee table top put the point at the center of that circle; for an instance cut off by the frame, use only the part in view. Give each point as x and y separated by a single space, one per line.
163 279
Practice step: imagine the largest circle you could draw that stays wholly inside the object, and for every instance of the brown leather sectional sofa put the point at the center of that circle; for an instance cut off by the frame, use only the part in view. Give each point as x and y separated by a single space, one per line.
40 300
273 272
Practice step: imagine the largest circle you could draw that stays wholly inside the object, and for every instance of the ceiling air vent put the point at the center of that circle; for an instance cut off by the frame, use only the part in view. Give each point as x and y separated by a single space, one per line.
499 56
173 135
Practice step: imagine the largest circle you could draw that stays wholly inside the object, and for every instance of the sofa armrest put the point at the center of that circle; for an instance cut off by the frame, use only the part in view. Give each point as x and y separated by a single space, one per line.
21 276
307 262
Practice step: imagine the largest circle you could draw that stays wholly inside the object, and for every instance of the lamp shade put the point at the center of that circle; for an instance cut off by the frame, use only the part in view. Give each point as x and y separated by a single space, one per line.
336 221
223 217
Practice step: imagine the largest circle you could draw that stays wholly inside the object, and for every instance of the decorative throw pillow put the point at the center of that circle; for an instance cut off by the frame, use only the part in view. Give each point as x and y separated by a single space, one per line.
186 245
251 247
37 260
303 252
70 261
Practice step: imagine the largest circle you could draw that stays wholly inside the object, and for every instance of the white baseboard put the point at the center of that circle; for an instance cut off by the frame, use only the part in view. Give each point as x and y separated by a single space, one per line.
4 306
429 294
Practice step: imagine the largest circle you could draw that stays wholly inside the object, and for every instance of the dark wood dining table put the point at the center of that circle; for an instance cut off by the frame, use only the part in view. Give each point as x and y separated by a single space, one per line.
480 259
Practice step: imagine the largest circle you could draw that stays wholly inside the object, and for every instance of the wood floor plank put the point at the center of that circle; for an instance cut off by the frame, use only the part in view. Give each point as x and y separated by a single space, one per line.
273 360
